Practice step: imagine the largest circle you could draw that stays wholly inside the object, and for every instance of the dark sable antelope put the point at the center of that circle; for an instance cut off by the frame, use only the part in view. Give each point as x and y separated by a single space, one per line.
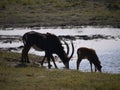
90 54
49 43
53 57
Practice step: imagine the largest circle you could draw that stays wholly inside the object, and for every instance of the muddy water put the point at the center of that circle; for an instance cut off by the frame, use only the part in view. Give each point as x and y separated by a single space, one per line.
106 42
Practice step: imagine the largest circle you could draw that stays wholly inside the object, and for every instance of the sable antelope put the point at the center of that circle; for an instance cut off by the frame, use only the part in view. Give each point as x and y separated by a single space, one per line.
53 57
90 54
49 43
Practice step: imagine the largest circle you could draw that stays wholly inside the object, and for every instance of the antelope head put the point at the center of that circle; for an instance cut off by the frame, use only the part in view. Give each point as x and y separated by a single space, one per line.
64 56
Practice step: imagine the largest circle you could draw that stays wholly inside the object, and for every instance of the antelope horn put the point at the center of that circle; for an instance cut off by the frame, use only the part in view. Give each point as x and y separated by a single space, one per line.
67 47
72 50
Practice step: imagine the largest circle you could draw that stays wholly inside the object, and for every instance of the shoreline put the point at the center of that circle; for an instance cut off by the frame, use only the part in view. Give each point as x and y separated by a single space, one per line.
31 26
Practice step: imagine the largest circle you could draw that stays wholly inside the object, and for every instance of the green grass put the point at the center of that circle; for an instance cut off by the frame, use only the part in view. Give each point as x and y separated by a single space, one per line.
38 78
11 59
59 12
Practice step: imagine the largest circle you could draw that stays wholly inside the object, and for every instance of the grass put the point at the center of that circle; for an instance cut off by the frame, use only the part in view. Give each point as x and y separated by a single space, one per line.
22 13
38 78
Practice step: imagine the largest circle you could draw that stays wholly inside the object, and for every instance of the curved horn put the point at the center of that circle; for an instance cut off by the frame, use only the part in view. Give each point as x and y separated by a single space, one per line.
67 47
72 50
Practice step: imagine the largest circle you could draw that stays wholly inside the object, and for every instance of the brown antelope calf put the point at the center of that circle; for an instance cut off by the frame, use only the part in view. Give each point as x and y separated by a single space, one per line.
90 54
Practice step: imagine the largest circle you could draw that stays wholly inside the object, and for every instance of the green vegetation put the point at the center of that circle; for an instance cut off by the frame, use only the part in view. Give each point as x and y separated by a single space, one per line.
38 78
30 13
12 59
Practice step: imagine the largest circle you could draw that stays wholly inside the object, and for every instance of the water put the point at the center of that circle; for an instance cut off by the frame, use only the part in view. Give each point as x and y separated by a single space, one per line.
107 48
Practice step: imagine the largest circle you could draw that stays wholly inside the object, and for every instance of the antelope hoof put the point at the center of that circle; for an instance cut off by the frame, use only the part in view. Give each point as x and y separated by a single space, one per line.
50 66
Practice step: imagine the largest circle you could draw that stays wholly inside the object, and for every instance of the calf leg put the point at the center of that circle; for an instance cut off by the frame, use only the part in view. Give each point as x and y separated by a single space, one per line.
78 62
91 66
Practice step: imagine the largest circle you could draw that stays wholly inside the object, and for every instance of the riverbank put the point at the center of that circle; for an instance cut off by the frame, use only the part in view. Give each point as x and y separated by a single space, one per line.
32 77
54 13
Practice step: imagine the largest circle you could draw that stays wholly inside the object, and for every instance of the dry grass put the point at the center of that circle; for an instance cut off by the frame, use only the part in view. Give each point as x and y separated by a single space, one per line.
38 78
